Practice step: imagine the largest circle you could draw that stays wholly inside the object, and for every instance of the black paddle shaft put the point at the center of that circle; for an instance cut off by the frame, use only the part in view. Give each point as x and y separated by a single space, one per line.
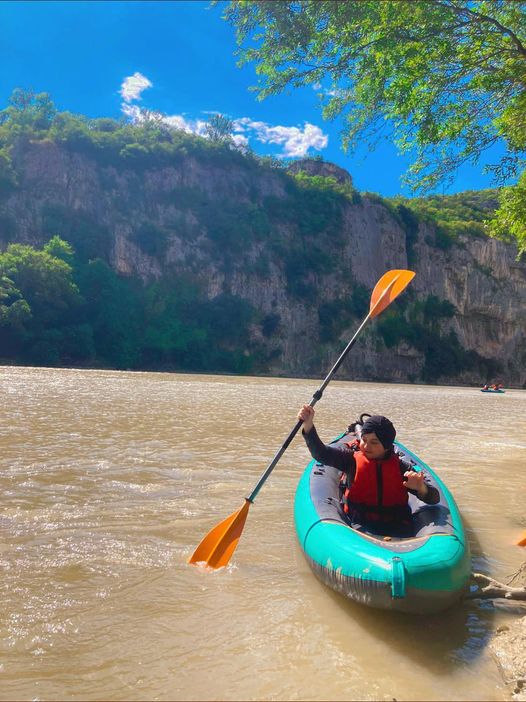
317 396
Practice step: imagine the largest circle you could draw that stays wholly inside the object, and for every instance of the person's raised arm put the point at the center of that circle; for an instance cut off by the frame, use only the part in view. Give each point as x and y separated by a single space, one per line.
306 415
336 457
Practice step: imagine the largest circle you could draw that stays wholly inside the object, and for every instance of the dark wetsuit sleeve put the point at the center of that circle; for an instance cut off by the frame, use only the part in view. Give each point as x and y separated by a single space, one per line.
338 457
432 497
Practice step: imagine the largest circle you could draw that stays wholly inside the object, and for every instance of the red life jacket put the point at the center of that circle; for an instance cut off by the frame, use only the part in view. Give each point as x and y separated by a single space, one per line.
377 491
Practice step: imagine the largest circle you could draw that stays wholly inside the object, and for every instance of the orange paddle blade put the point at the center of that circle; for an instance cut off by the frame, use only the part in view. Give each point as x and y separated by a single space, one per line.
522 541
216 549
390 285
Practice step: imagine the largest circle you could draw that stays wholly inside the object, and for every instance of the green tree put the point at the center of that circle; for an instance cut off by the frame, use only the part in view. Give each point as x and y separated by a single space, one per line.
219 129
29 109
39 303
44 281
59 248
448 75
170 329
114 310
14 310
510 219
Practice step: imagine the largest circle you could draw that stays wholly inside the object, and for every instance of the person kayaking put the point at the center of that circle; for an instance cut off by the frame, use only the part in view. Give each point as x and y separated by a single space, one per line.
375 482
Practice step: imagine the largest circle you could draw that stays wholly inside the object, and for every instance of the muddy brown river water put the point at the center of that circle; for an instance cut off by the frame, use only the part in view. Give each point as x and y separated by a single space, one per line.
108 480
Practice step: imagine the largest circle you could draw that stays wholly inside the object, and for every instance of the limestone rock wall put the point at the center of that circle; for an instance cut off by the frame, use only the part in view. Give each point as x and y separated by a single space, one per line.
479 276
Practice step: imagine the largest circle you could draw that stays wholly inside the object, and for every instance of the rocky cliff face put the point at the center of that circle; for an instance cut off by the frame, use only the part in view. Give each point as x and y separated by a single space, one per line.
71 194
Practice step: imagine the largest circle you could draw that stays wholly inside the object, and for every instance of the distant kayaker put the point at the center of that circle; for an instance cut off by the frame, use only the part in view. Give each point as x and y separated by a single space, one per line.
375 481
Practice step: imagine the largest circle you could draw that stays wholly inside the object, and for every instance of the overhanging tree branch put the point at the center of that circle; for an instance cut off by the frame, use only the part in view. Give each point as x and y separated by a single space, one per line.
484 18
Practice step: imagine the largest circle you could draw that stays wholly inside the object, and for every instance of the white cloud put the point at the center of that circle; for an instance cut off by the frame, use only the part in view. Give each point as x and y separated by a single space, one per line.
132 111
133 86
295 141
192 126
240 141
136 114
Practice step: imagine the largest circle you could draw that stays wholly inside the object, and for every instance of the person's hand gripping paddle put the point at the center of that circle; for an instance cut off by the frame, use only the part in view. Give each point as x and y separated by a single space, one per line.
217 547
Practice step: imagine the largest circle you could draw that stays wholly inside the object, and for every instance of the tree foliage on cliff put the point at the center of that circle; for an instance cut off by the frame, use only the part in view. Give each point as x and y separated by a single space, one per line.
312 202
452 215
219 129
448 75
58 309
146 142
509 222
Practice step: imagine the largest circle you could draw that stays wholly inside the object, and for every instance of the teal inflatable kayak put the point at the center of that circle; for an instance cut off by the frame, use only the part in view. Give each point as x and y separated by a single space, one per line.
425 573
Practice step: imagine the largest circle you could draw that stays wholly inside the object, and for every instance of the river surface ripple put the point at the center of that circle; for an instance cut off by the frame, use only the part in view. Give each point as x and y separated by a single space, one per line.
110 479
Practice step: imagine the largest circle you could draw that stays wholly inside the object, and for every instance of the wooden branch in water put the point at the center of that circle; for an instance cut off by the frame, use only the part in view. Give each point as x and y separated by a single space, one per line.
489 589
519 575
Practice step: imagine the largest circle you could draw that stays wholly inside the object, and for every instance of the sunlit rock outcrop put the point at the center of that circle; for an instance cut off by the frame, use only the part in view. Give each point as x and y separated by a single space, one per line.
242 228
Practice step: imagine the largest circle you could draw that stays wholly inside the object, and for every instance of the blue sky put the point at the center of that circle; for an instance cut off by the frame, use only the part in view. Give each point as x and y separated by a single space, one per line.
108 58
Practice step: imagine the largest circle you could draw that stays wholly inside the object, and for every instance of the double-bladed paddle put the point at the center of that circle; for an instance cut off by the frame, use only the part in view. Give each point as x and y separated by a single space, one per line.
217 547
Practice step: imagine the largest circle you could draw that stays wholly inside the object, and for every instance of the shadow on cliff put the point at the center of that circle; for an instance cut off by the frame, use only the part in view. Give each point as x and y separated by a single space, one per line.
439 642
